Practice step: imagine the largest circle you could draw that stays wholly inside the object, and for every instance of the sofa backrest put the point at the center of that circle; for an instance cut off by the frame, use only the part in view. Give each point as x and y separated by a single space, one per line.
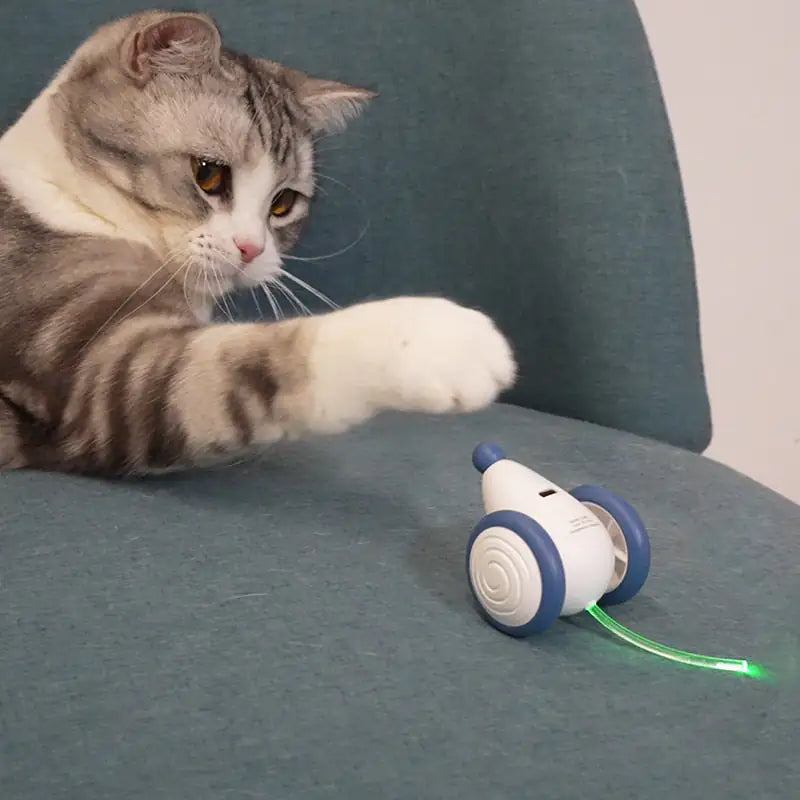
518 159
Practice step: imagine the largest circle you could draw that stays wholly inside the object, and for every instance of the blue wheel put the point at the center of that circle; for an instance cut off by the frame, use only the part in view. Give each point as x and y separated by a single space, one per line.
629 535
515 573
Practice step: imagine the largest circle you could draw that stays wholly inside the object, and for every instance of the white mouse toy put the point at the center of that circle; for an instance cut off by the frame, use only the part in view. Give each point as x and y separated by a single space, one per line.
541 552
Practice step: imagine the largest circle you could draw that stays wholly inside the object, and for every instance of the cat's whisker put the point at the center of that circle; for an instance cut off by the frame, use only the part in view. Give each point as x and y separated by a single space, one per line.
258 305
276 309
144 302
334 254
318 174
284 273
222 294
211 273
171 254
282 290
228 261
321 137
210 291
186 271
202 293
292 297
321 175
330 148
321 191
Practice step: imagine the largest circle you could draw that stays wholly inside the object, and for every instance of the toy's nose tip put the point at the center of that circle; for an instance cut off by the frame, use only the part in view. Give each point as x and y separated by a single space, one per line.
486 454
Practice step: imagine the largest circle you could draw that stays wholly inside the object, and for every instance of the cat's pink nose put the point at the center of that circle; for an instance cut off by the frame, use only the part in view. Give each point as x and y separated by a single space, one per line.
249 250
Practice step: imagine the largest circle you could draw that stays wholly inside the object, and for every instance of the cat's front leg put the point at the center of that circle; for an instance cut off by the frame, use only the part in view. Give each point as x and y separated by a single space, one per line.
407 354
157 393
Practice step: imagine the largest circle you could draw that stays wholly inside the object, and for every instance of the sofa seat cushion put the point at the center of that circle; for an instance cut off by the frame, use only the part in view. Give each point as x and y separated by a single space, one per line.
301 626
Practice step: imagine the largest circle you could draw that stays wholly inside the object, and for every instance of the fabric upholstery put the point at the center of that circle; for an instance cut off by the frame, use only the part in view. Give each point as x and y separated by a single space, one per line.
302 628
518 159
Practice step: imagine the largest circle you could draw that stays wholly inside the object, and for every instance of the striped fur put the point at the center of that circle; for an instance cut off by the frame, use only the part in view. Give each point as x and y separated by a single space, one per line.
108 362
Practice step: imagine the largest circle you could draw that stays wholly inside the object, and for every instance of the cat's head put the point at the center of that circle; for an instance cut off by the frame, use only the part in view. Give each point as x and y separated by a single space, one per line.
216 148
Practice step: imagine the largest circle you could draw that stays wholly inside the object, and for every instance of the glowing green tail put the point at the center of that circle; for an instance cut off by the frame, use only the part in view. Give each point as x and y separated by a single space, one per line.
692 659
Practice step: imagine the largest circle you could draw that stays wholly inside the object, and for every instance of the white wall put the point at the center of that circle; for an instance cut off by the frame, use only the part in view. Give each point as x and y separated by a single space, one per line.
730 72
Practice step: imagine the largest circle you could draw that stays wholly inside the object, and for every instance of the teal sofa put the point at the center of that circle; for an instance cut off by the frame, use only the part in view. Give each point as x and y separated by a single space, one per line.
300 625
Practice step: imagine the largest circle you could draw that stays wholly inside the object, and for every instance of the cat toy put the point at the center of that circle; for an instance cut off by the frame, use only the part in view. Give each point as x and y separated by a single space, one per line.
541 553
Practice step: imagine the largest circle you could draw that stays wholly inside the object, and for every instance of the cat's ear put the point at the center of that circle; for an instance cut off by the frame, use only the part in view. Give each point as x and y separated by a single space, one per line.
177 43
329 105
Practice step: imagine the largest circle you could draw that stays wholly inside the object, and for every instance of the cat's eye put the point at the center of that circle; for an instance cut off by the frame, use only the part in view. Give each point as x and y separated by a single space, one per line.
211 176
283 203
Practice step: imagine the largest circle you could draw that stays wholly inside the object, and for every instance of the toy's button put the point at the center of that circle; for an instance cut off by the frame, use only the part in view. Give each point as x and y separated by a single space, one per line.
486 454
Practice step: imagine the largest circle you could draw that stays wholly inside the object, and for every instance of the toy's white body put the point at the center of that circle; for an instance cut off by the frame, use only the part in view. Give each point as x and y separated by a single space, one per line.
583 542
541 553
585 547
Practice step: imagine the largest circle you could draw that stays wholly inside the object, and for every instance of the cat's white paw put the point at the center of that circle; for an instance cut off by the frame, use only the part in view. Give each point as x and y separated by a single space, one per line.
441 357
409 354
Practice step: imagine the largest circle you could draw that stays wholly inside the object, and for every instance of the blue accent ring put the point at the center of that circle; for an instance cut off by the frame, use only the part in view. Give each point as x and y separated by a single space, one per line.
548 560
486 454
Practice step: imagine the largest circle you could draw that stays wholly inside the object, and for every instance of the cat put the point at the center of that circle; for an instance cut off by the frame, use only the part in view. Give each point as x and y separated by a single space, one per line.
157 171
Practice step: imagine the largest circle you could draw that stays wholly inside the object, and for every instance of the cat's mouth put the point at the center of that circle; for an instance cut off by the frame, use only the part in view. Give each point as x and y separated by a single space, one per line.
254 274
224 275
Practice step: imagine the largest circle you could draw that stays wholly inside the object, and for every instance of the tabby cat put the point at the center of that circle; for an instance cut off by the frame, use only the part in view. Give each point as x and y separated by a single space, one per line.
158 171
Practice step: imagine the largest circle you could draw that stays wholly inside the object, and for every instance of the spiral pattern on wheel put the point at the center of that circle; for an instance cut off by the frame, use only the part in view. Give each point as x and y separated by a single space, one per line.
505 576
